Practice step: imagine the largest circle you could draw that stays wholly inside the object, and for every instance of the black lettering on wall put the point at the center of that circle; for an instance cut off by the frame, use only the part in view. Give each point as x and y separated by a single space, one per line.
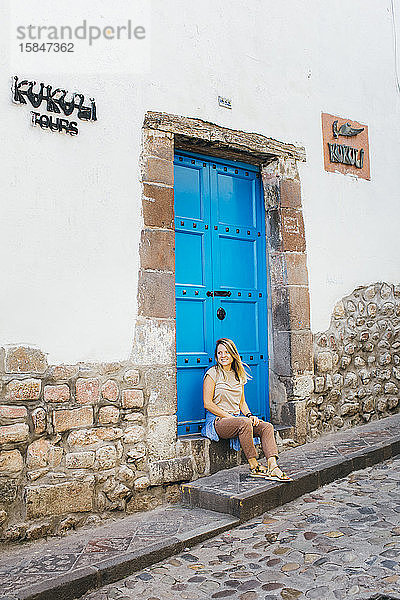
55 99
54 123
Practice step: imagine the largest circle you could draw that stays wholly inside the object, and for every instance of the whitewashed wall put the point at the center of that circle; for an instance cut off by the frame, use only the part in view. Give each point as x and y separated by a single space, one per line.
70 217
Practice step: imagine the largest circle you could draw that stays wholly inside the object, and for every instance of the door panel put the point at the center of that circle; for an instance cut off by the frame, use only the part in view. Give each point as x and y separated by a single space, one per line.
190 338
220 264
240 322
235 200
192 280
237 263
188 385
187 194
189 258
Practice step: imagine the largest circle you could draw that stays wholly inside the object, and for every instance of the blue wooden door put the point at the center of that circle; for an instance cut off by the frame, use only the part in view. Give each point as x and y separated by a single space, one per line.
220 275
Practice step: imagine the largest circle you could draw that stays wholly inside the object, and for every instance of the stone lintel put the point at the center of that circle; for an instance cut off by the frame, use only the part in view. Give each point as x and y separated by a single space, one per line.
216 137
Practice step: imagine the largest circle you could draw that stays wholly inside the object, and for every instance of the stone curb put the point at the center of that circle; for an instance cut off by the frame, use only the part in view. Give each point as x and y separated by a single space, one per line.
79 581
254 503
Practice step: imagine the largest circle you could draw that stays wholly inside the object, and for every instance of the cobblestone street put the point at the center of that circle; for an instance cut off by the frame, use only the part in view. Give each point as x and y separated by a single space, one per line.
341 542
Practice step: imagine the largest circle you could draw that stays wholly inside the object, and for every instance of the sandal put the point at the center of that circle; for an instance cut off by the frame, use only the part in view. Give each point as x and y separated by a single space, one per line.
260 471
283 477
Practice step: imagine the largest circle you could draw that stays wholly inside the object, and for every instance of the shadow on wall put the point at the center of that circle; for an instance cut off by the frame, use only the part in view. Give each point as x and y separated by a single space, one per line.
357 361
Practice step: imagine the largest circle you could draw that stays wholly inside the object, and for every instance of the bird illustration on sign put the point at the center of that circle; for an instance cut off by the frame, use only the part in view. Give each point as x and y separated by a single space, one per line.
346 130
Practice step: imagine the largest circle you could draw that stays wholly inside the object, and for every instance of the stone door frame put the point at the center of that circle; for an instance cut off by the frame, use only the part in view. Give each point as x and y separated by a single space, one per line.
290 338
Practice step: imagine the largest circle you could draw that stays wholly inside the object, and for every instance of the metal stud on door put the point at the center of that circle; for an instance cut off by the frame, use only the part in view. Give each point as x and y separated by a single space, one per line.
220 277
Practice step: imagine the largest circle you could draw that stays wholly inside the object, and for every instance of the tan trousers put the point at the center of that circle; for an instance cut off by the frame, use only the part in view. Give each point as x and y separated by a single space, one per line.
228 427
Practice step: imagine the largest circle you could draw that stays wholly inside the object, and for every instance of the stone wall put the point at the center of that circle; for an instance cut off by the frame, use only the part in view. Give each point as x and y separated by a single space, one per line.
80 441
290 344
357 361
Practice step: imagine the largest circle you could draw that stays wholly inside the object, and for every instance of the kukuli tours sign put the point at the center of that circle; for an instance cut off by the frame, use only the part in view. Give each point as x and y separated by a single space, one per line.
58 102
346 148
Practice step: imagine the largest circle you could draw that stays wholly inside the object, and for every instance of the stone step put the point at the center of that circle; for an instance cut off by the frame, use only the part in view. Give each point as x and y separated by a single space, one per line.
285 432
232 491
211 457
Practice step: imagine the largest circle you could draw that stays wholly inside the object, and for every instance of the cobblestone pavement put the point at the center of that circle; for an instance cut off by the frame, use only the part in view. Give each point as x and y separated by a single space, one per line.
342 542
41 562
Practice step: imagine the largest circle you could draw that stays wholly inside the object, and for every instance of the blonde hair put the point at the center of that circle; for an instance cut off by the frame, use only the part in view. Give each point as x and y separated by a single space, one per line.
237 365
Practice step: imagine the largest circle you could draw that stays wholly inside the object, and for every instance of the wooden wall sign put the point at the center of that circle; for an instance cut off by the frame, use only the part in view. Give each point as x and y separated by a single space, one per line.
346 148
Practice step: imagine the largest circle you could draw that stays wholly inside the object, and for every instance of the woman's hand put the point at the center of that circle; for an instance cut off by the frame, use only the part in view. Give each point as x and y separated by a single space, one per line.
254 420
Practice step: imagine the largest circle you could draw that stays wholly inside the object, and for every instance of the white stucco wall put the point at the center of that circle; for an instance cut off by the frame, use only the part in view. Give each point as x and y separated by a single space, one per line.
70 206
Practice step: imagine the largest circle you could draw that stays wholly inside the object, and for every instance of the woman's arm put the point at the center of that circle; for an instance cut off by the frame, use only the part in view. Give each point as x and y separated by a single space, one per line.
244 409
208 395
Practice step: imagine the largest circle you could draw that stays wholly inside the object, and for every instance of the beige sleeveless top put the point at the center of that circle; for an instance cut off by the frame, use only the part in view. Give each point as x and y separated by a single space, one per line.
228 390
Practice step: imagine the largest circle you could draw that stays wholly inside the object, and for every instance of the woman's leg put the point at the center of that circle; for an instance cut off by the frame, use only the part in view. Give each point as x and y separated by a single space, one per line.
265 431
228 427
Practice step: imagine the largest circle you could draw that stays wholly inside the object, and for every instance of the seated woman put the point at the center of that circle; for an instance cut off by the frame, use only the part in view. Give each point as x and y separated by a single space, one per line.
228 416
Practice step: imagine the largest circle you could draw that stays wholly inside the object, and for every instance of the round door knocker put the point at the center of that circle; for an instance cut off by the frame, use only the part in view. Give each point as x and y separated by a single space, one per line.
221 313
